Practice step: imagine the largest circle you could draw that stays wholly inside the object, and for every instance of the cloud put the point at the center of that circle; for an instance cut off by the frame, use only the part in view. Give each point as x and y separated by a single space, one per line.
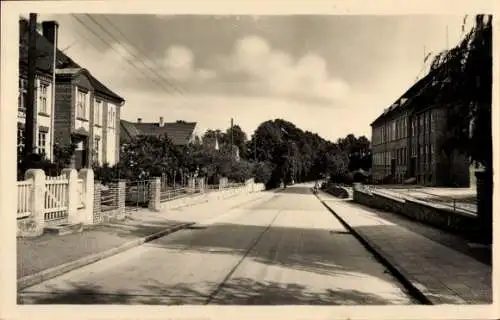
178 63
274 72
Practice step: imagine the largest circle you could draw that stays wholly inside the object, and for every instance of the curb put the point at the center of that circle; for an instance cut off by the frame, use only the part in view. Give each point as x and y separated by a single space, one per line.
31 280
415 289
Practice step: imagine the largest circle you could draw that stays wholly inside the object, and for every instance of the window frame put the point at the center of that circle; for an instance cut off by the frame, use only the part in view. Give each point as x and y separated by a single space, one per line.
22 94
42 136
81 104
42 97
98 103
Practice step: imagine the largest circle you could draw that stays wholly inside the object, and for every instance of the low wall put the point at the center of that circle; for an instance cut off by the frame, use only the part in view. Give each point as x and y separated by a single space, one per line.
211 196
418 210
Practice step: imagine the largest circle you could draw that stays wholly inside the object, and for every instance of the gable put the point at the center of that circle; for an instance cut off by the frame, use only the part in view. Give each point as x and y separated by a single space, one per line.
82 81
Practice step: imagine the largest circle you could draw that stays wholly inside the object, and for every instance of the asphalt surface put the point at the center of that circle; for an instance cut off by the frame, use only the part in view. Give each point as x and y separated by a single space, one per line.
287 250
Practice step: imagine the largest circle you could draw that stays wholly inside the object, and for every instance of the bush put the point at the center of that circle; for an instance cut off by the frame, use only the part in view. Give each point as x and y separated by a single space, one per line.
262 172
37 161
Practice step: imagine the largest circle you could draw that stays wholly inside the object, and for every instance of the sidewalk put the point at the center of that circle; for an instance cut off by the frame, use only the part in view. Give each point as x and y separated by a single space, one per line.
49 252
441 274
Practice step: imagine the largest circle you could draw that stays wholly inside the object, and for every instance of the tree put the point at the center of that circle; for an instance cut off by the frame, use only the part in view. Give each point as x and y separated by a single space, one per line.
148 156
239 140
464 78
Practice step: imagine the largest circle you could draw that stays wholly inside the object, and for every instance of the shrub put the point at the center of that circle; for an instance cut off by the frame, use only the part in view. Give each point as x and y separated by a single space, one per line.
262 172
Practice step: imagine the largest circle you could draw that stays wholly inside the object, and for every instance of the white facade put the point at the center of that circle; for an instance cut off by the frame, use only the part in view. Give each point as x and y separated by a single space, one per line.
98 132
111 134
43 102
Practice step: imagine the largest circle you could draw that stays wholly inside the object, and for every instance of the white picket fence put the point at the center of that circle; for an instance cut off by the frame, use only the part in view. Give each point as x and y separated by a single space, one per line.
24 194
55 197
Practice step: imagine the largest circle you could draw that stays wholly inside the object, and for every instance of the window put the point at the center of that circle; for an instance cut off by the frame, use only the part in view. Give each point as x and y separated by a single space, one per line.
81 105
23 92
97 112
20 139
96 149
43 97
42 142
111 117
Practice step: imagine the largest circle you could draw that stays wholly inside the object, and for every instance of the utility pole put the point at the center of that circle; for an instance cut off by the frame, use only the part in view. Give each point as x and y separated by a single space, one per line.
231 140
31 114
53 96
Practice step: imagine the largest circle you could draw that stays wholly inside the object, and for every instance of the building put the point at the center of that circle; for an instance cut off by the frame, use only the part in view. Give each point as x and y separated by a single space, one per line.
87 113
43 96
406 141
180 132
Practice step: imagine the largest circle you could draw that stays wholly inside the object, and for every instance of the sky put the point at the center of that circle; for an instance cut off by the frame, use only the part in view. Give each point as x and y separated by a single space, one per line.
329 74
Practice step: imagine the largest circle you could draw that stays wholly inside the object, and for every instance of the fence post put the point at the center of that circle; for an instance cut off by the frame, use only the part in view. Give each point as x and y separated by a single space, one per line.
36 223
97 203
154 196
72 201
120 198
87 176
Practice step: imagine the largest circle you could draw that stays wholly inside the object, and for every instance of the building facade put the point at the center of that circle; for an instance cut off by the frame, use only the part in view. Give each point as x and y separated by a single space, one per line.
43 102
406 144
86 112
88 117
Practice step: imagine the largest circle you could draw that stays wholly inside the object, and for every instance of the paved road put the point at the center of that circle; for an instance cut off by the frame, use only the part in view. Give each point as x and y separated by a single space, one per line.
286 250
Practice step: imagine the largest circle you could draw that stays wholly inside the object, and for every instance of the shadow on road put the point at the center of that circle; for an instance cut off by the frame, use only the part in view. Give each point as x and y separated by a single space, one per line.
238 291
301 253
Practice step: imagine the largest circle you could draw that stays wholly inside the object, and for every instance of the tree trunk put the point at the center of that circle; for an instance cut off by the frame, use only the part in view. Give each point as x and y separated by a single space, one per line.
485 206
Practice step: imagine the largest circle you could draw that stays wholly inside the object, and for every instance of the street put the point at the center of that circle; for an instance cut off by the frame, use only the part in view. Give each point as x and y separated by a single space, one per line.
287 249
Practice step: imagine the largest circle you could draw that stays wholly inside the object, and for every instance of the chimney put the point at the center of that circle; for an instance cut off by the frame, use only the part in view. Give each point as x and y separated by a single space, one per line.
139 120
161 124
23 25
49 28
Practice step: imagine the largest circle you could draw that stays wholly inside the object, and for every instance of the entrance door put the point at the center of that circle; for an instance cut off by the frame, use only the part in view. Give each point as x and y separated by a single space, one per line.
81 153
413 164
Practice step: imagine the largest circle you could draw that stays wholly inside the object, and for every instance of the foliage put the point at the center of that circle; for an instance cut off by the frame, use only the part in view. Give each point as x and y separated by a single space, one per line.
64 152
303 155
464 79
147 156
262 172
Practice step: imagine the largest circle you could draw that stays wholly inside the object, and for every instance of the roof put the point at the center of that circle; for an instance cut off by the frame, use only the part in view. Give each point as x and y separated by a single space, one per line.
179 132
426 84
44 59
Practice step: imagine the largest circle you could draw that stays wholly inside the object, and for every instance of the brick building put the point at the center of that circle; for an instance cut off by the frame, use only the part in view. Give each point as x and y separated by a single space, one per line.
406 141
86 111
